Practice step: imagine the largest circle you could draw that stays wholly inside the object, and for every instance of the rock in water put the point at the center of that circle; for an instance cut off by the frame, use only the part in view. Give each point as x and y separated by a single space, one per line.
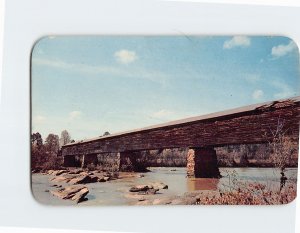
59 172
75 171
74 192
59 179
83 179
80 196
159 185
50 172
139 188
103 179
151 191
143 189
56 172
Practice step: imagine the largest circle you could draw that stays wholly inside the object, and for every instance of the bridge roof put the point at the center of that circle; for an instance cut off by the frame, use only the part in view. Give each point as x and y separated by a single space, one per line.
212 116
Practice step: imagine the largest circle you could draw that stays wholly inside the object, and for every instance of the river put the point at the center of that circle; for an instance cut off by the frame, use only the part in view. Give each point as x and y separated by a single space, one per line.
116 192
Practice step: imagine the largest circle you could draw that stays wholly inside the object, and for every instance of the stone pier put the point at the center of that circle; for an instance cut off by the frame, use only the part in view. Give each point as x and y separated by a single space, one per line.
202 163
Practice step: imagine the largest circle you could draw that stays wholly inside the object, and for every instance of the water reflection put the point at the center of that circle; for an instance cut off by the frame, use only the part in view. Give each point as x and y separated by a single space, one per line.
194 184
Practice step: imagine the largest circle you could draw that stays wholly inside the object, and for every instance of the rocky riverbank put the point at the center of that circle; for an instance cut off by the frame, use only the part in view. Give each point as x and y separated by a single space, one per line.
162 186
251 194
70 184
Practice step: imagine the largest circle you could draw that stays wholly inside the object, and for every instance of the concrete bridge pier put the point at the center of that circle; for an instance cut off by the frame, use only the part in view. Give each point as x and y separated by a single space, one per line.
202 163
133 161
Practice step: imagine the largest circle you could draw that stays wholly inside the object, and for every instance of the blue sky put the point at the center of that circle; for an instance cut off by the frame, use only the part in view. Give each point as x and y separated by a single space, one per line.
92 84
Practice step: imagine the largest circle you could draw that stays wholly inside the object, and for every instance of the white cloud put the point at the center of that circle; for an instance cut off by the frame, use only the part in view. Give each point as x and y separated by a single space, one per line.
284 90
282 49
257 94
237 41
125 56
154 76
74 66
74 115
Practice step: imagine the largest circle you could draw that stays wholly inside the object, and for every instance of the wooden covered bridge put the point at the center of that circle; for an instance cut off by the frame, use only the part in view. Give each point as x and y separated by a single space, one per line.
246 125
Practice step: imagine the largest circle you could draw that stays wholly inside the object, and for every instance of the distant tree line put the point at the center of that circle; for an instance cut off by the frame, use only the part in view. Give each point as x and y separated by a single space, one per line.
45 154
278 154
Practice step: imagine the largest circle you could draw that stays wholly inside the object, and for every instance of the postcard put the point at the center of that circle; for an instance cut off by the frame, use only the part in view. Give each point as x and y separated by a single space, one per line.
164 120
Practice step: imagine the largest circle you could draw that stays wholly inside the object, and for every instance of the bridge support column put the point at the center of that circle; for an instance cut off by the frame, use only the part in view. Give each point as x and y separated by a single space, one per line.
202 163
132 161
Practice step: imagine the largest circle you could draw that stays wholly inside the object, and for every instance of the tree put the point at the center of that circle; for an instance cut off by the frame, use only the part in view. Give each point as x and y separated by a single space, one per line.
281 146
282 149
36 139
106 133
44 156
65 138
244 156
52 144
37 150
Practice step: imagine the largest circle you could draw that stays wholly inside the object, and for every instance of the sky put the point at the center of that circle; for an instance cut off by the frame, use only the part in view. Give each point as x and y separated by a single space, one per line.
92 84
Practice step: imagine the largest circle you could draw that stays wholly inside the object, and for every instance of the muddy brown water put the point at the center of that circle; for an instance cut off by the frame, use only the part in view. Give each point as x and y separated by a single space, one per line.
116 192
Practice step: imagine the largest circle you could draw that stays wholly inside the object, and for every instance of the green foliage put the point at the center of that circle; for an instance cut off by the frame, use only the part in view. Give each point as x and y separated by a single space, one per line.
44 156
36 139
106 133
52 144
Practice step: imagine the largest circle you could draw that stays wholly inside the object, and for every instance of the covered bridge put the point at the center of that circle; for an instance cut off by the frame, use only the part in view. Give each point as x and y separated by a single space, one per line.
246 125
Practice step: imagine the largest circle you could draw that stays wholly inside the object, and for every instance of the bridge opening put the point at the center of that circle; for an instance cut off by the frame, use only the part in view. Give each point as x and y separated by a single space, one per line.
72 161
133 161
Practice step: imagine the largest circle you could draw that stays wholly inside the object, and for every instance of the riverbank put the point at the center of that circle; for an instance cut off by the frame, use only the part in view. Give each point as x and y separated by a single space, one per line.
235 185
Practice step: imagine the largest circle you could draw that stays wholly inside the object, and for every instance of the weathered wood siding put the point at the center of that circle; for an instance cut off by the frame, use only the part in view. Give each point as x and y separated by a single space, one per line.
237 127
